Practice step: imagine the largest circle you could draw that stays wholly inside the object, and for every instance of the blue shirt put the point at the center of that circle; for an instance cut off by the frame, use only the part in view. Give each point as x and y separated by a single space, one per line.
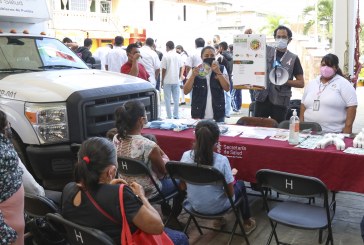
209 199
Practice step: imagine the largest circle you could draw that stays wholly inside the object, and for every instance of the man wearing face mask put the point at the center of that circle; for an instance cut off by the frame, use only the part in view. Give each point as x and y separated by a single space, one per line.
274 100
132 66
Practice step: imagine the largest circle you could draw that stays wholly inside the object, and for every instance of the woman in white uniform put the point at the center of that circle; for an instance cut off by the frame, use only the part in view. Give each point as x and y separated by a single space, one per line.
330 99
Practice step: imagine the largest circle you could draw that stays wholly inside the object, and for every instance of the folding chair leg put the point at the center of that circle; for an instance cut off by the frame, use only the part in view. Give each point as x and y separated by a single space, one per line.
187 224
274 226
238 222
320 236
198 227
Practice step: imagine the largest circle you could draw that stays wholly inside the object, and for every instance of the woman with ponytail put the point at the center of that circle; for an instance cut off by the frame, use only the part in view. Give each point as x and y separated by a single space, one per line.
93 199
211 199
130 120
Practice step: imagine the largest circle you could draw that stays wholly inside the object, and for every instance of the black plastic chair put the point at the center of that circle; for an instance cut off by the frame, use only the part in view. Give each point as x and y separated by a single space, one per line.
251 112
36 208
78 234
205 175
294 213
134 168
313 126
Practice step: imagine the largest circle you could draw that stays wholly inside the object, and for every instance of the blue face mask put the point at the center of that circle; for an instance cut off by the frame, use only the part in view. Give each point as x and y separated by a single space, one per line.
281 43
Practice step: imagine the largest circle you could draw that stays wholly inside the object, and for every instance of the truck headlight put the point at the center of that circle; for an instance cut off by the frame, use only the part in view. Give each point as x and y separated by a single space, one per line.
49 121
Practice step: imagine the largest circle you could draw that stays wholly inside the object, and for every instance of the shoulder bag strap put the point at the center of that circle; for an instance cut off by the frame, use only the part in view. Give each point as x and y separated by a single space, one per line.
126 237
100 208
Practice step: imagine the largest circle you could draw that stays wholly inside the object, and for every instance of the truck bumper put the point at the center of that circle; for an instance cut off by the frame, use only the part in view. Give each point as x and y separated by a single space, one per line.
53 164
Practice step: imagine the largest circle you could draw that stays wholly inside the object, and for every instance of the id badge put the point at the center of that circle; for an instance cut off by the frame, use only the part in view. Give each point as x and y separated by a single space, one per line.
316 105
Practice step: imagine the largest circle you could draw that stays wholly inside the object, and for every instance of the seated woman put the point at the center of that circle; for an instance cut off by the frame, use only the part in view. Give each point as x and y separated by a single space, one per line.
130 119
212 199
12 190
330 99
94 175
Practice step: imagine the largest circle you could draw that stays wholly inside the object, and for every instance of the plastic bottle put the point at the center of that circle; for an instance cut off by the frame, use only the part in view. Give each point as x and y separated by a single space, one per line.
294 129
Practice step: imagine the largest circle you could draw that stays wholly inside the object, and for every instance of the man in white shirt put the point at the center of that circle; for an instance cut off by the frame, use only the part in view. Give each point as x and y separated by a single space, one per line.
117 56
195 59
150 60
101 53
171 71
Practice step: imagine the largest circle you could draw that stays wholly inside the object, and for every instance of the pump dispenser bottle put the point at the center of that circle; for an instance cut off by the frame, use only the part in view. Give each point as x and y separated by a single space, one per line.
294 129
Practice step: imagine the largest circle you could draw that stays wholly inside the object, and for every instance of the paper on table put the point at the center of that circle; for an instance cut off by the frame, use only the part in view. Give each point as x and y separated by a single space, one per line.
310 142
233 130
258 132
353 150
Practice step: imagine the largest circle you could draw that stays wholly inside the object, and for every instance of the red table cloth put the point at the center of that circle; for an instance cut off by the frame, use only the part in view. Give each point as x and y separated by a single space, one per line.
339 171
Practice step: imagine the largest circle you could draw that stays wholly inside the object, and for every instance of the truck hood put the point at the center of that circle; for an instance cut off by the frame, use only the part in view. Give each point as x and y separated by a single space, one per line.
53 86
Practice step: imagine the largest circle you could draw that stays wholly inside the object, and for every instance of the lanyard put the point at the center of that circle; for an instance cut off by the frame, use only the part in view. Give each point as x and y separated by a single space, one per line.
275 58
321 90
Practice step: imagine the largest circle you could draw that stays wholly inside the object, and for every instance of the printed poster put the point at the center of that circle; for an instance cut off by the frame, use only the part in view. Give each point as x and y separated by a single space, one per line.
249 67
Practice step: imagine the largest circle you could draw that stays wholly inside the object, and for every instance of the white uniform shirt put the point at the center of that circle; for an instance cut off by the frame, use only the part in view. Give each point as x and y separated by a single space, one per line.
150 61
172 62
101 53
209 113
334 99
195 59
116 58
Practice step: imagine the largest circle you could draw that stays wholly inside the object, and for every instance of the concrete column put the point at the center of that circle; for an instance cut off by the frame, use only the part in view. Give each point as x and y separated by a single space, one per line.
344 33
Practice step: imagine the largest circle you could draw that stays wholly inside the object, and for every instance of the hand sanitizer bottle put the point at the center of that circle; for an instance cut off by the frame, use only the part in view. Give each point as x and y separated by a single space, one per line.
294 129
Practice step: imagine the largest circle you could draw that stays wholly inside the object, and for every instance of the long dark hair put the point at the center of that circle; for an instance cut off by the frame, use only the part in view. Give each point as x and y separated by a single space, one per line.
94 156
207 134
3 122
126 117
332 60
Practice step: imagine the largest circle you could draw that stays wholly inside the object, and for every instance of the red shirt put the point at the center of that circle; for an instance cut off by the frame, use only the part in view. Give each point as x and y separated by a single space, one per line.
143 74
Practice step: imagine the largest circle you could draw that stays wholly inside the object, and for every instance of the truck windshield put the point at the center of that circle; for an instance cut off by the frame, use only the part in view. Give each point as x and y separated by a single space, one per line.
19 53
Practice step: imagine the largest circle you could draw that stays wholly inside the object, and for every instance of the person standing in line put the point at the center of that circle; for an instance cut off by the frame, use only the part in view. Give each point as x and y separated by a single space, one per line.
160 56
184 57
84 52
195 60
150 60
274 100
117 56
101 53
228 63
171 71
132 66
208 101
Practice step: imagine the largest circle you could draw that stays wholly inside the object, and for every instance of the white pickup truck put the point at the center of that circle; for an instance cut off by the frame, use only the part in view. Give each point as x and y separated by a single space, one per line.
54 102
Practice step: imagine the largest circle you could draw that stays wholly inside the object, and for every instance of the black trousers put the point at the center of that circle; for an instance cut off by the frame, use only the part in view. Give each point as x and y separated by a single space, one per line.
267 109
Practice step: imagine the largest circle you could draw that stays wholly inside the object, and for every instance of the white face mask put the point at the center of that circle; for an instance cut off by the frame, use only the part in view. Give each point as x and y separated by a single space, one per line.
281 43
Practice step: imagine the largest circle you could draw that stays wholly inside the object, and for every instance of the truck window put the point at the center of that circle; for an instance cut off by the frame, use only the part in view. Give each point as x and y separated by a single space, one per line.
35 54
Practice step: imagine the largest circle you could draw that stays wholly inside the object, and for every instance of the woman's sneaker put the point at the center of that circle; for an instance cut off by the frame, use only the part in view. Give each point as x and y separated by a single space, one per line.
251 227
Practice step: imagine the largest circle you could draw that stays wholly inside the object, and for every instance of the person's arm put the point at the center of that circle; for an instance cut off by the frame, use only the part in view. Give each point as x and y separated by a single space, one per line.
189 84
147 218
302 112
134 70
157 73
350 117
231 189
30 185
223 79
163 76
298 83
158 163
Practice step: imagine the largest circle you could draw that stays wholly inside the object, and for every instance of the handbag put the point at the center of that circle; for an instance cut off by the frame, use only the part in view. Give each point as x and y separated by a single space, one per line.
139 237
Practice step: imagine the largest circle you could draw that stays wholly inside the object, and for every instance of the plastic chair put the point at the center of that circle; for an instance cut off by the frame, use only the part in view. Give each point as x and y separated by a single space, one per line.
313 126
78 234
132 167
205 175
36 209
294 213
258 122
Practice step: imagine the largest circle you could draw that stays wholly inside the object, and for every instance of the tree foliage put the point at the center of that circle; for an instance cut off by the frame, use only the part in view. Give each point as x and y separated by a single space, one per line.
273 21
324 18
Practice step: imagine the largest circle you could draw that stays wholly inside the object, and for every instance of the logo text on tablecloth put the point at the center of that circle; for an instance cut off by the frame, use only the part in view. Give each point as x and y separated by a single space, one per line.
230 151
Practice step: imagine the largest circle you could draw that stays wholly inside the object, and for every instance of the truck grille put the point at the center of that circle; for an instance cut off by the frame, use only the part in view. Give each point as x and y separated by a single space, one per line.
95 117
